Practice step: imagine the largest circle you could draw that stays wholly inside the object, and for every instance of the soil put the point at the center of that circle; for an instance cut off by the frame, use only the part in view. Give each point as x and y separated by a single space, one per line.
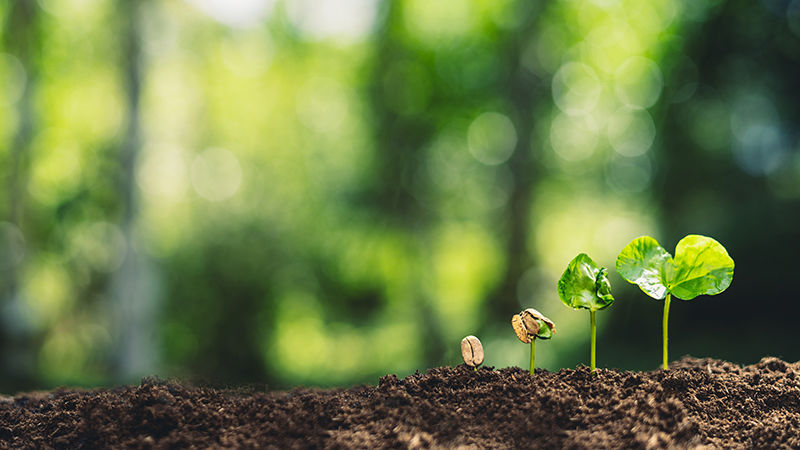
698 403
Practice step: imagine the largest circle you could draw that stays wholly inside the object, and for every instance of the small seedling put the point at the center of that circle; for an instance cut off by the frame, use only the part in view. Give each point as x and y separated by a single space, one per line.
585 285
531 324
472 351
701 266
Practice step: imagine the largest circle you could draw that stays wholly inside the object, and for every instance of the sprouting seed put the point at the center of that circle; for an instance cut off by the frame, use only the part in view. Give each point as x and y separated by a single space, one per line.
529 325
472 351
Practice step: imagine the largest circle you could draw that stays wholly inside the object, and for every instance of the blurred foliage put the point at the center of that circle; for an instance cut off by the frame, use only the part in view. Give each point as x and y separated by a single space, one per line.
300 192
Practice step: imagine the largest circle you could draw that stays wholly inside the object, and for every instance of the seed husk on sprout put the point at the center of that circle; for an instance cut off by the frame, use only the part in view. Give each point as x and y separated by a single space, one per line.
530 324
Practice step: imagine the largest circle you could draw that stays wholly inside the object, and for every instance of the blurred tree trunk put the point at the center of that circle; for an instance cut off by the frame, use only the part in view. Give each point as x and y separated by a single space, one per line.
524 90
400 138
21 38
130 290
400 143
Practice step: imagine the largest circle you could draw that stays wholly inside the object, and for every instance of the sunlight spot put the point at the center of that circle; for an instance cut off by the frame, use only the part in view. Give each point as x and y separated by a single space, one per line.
55 174
492 138
161 172
638 82
322 105
247 54
573 138
576 89
631 132
216 174
346 20
47 291
440 21
236 13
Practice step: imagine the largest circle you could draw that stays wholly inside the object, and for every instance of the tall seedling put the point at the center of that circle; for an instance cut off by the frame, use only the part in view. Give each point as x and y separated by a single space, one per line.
701 266
585 285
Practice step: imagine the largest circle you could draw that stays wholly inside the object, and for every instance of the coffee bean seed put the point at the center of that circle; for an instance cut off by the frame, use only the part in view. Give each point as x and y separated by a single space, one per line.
472 351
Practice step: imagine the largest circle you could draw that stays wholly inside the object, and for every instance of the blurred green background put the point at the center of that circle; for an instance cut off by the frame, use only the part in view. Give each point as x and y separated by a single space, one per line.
322 192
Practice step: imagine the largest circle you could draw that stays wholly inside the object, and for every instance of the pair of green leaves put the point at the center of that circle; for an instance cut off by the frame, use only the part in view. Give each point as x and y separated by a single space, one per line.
701 266
585 285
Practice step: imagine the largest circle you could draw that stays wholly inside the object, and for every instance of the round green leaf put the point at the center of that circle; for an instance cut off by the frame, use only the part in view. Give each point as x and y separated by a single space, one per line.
645 263
585 285
702 266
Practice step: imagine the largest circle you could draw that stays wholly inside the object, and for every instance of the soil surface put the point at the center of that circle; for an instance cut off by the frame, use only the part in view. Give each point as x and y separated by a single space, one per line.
698 403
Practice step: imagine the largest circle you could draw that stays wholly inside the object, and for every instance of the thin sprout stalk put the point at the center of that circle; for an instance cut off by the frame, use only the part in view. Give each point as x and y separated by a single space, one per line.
533 354
665 328
592 357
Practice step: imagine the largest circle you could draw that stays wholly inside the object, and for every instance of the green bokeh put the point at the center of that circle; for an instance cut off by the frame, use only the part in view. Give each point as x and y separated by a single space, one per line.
294 193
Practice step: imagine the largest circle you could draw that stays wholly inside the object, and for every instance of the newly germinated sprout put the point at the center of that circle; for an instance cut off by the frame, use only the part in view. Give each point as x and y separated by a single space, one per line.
701 266
529 325
585 285
472 351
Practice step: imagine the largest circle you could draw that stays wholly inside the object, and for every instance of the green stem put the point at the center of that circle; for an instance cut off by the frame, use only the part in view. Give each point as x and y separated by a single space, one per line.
533 354
593 341
664 325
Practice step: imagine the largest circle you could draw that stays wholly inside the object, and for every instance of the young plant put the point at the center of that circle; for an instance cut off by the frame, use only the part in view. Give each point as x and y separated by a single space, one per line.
529 325
472 351
585 285
701 266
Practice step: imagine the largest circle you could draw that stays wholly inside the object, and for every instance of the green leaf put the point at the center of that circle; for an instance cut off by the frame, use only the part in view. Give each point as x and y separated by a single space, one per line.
603 287
702 267
643 262
544 330
585 285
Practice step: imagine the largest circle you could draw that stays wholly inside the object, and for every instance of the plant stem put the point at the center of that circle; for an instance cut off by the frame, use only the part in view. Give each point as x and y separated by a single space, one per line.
664 325
593 340
533 354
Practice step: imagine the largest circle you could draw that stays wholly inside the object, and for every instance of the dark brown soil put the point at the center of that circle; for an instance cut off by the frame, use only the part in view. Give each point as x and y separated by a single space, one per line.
699 402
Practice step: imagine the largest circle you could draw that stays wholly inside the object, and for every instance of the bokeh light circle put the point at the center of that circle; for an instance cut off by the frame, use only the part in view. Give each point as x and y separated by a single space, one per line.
576 89
638 82
491 138
216 174
631 132
573 138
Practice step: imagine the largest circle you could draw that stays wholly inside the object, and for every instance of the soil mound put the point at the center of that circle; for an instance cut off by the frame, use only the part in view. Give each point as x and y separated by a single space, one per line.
699 402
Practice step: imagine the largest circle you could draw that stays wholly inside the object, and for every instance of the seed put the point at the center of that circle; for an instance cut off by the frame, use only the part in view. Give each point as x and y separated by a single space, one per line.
472 351
539 316
530 323
520 329
526 324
